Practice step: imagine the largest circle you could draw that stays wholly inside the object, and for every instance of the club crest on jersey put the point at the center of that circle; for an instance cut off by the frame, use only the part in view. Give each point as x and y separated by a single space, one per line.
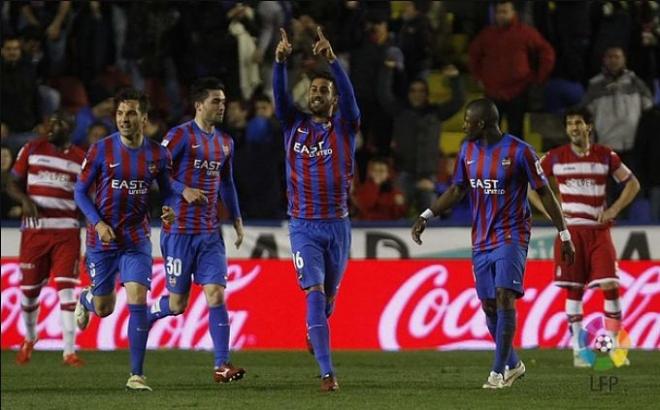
152 167
311 151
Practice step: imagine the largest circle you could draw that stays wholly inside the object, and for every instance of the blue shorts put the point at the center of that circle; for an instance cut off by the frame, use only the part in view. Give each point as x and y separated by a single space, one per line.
320 251
502 267
199 255
133 265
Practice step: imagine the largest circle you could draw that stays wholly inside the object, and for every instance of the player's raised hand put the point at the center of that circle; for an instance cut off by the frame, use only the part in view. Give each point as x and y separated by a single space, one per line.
417 229
567 252
195 196
240 233
105 232
323 47
284 48
167 216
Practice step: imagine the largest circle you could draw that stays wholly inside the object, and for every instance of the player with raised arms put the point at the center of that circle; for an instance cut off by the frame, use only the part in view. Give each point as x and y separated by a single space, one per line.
496 168
319 169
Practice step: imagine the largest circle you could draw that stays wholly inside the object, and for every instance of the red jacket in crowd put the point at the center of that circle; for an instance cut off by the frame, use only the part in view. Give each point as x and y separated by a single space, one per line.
507 60
378 203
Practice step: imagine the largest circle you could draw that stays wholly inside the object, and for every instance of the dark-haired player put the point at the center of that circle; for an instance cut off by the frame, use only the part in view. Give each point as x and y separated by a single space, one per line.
319 169
193 245
119 170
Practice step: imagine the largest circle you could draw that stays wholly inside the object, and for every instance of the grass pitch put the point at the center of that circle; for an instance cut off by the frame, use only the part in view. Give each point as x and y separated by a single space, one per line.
368 380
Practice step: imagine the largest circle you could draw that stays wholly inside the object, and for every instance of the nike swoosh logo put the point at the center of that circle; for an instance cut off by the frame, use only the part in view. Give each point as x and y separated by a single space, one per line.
197 146
515 282
114 165
224 373
303 131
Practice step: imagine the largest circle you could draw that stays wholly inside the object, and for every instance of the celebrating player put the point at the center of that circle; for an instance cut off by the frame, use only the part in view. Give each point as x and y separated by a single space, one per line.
121 168
319 169
193 244
581 169
496 169
50 237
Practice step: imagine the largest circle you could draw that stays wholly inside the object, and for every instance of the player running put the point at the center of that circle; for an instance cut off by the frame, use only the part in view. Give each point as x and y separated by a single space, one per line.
193 245
119 169
50 232
581 170
495 168
319 169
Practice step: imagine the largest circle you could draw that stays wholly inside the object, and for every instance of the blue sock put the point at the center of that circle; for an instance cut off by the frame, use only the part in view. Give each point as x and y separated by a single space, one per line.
138 331
219 331
159 310
317 326
506 328
87 300
491 322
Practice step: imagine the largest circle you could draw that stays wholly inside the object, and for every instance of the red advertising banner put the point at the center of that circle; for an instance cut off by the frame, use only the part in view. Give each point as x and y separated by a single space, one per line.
388 305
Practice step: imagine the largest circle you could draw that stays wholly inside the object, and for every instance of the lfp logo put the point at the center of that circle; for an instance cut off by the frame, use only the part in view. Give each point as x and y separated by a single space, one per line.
602 350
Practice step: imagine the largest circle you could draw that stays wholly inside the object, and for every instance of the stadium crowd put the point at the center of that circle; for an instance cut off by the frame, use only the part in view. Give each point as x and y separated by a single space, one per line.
413 65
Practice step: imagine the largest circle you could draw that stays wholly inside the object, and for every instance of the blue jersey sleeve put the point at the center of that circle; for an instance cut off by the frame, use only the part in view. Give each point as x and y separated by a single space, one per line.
531 165
460 176
174 144
228 193
347 104
165 181
285 111
90 169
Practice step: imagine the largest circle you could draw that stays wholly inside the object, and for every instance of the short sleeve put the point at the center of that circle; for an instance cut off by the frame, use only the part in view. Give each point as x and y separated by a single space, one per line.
21 165
460 175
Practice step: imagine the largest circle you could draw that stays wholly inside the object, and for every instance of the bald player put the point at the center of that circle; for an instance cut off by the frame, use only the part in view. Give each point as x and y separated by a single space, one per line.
495 169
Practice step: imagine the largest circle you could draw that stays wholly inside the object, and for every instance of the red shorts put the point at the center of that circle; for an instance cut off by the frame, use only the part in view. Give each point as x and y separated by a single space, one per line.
595 259
49 252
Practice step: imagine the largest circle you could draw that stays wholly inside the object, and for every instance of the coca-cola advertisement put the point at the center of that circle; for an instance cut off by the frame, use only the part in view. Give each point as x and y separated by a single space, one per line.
382 305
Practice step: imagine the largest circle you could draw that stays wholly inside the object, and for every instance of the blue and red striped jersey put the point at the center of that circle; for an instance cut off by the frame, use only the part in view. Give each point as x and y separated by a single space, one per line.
118 179
204 161
319 156
497 177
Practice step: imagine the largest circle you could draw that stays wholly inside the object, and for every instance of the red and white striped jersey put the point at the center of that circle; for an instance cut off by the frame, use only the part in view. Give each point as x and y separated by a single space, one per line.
582 179
49 175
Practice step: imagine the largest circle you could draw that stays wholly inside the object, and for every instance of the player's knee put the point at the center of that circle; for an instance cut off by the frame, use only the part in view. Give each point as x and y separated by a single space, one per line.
178 305
489 307
506 298
103 310
314 288
31 293
61 285
609 285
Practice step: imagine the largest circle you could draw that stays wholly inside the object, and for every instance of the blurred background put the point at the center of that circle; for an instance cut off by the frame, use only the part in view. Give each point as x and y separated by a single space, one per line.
414 65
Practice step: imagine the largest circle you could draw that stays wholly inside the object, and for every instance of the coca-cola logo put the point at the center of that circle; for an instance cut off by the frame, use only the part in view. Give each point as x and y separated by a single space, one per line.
423 312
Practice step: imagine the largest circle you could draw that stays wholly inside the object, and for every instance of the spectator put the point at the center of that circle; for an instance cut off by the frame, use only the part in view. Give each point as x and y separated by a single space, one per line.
262 161
20 95
617 98
95 132
647 152
378 199
416 132
101 109
92 40
508 58
10 208
415 39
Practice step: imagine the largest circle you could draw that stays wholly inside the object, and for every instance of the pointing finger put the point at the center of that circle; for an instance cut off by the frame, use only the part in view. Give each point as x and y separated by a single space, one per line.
283 35
320 33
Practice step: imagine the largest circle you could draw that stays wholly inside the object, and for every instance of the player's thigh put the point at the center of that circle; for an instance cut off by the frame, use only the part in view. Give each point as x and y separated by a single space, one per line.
337 255
307 254
34 260
577 273
211 260
102 267
602 259
484 274
135 264
64 257
509 263
179 255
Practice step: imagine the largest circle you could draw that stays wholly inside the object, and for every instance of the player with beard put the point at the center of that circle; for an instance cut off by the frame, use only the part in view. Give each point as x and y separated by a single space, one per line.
319 169
495 168
42 181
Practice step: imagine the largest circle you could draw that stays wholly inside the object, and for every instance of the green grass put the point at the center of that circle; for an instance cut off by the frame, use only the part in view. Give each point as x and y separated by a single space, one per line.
423 379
